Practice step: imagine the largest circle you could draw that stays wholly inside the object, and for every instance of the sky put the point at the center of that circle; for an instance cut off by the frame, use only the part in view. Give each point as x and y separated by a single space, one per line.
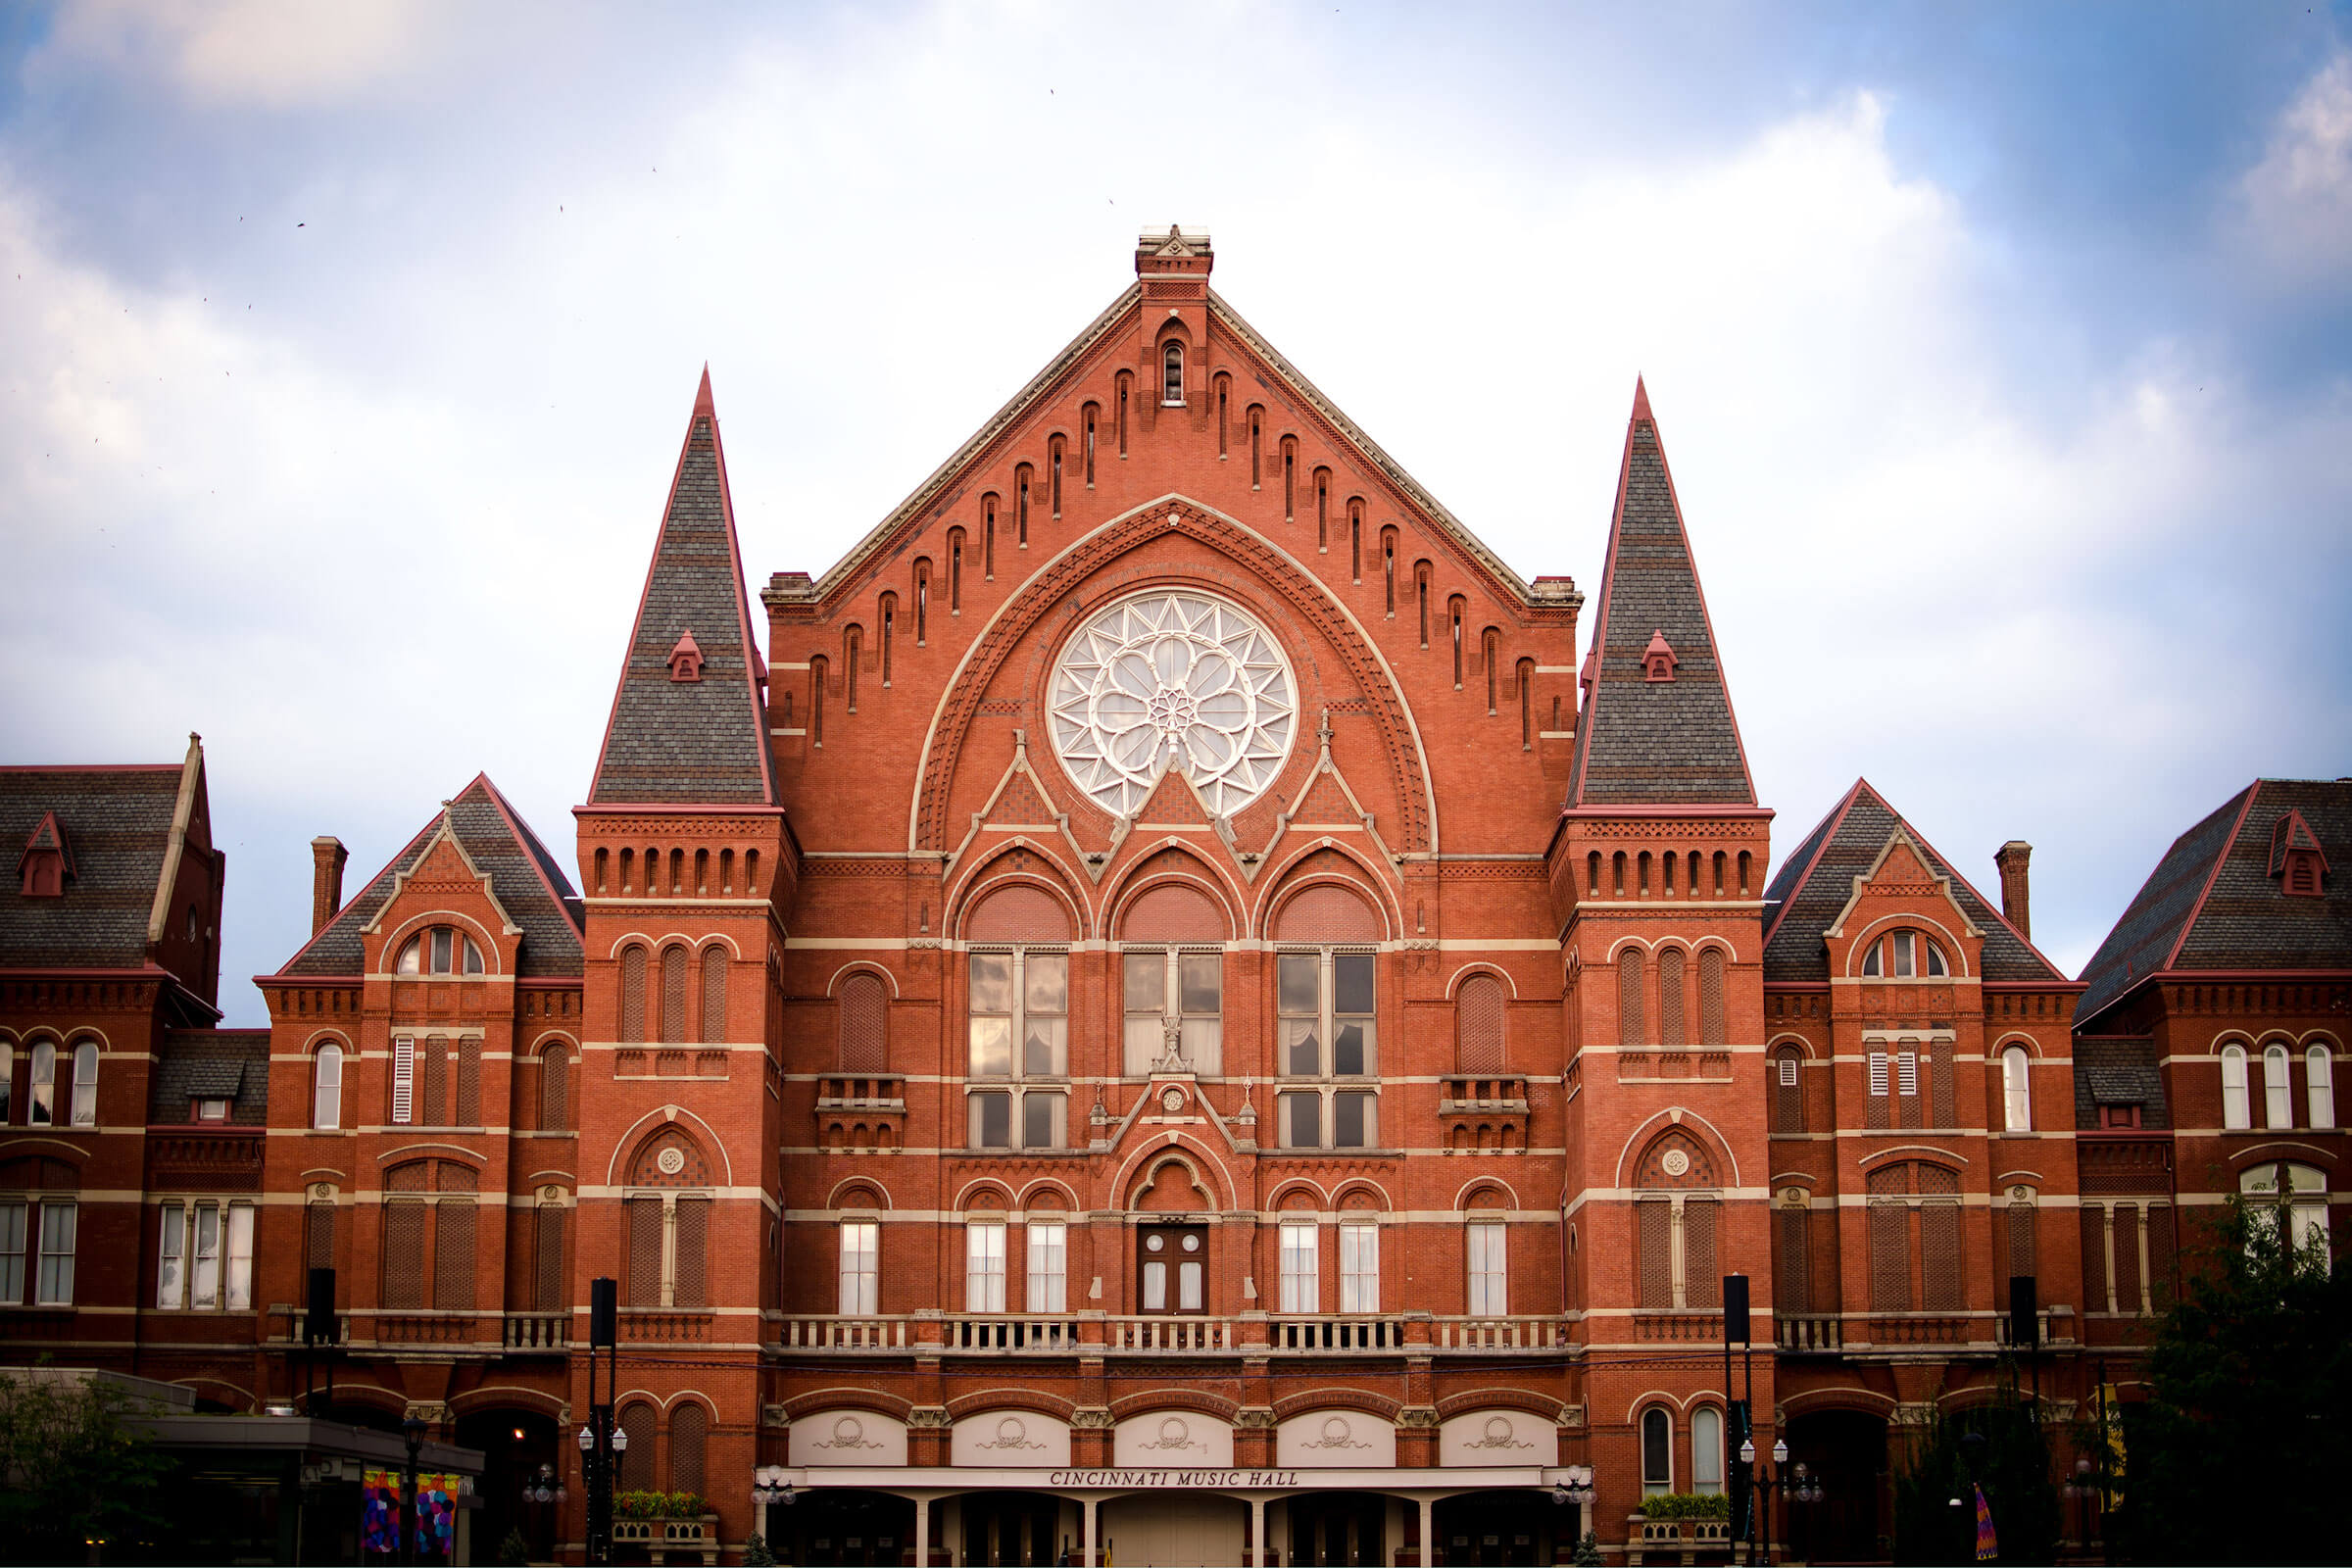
2004 354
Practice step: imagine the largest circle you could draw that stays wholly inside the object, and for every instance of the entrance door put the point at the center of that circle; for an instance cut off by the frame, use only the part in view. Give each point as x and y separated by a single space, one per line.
1171 1269
1338 1527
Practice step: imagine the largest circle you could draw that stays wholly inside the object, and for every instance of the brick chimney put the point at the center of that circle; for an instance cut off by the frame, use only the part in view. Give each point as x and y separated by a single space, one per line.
2015 908
327 855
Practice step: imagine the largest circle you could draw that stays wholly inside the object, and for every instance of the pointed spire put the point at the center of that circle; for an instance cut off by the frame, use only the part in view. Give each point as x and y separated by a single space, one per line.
676 740
1656 731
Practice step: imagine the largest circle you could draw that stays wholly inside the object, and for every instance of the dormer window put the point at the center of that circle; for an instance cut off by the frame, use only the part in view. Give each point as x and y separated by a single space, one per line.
1171 382
2295 858
439 952
212 1111
1903 955
1658 658
46 863
686 659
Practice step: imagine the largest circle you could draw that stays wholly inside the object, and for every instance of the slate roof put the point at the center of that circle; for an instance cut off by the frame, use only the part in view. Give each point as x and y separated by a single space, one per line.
118 823
1814 883
2118 1070
2211 902
527 880
695 742
1642 742
210 1065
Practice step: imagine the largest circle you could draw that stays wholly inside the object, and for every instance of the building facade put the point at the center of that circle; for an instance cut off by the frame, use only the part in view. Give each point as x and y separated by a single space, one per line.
1170 1015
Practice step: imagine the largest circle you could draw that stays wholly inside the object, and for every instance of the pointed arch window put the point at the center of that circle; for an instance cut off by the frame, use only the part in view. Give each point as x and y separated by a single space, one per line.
1171 376
326 1088
2017 1089
2278 1094
632 995
1631 1029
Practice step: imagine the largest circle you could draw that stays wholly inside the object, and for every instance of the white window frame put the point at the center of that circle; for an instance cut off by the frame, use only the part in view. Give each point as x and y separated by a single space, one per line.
40 1099
16 1220
984 1265
404 1080
861 1267
1360 1267
1707 1423
1199 1037
170 1257
1326 1084
204 1256
53 1284
326 1088
1047 1241
2016 1089
1487 1251
1299 1265
2236 1094
1658 1484
1906 1074
1017 1084
84 1109
2278 1088
1878 1084
2319 1087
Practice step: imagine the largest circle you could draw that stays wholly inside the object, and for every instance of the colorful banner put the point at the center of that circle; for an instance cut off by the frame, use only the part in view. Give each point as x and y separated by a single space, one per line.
1989 1546
2111 1420
436 1508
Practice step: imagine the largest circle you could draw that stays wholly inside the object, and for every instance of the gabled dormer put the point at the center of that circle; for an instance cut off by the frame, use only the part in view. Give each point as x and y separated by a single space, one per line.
47 863
2296 863
1901 922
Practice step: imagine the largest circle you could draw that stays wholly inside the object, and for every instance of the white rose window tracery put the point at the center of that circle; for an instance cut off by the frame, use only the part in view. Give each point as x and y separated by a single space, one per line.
1173 674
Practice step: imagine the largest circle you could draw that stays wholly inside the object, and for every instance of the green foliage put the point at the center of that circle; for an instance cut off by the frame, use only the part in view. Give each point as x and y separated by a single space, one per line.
73 1468
756 1553
1587 1553
2250 1373
514 1552
1687 1505
650 1504
1999 1446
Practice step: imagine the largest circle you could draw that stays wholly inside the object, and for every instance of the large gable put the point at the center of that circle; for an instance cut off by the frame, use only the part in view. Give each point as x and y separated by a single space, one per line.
116 828
524 877
1816 882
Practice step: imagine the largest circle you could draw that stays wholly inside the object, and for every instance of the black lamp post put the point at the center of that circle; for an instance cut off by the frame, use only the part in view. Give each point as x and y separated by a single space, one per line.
2083 1487
603 1442
412 1432
1761 1486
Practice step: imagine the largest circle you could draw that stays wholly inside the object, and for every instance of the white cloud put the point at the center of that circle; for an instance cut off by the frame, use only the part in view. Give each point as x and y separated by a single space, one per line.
2297 202
276 54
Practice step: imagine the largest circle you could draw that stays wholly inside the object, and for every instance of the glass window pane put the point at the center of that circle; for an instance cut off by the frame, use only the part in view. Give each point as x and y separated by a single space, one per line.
441 935
1044 1047
1351 1121
1147 981
1301 1052
1900 945
1351 982
208 1256
1041 1121
55 1288
1348 1048
1301 1285
1296 972
1188 1287
1203 1045
1156 1286
1303 1121
991 1120
1047 981
1706 1451
1200 980
992 1048
1142 1042
168 1260
992 982
473 957
1657 1460
1047 1252
240 1257
11 1254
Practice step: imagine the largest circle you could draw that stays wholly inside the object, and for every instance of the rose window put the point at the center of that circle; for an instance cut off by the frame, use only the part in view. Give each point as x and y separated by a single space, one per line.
1178 676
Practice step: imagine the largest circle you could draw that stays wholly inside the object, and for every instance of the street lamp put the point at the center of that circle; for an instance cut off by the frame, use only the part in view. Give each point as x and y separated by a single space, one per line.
2083 1485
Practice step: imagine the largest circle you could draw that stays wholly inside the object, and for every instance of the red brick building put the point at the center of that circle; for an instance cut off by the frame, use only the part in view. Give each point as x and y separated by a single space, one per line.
1170 1010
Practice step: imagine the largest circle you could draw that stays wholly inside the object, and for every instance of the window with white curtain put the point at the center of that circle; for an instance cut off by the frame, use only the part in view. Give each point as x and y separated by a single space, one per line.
2235 1110
1360 1267
1168 986
861 1267
1048 1266
1020 1037
43 1109
984 1266
55 1285
2319 1087
1302 1281
170 1257
1706 1451
326 1088
85 1084
1327 1031
2017 1094
1488 1294
2278 1094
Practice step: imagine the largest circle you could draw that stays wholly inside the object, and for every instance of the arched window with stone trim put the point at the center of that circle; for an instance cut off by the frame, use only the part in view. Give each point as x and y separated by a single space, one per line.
1677 1206
1787 1088
1792 1256
1478 1024
2278 1092
1172 974
640 1421
689 1433
1671 1034
2235 1098
326 1087
633 994
2319 1087
665 1214
715 994
1713 1030
1630 1032
555 1089
863 1024
673 994
1017 1004
1327 1046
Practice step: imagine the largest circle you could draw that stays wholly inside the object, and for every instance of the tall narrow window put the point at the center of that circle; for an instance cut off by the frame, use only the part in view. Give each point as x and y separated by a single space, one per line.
240 1257
326 1088
555 1090
1706 1451
2017 1093
85 1084
1489 1291
1421 593
55 1285
1224 396
8 1077
852 664
1289 479
984 1266
1631 1029
1256 449
673 996
890 626
1453 632
2233 1088
1125 385
988 537
1048 1266
1328 1043
1322 508
922 602
956 572
1388 569
404 1081
2278 1094
861 1267
1356 541
1087 438
43 1096
632 995
1171 374
171 1252
1360 1267
1054 477
12 1253
1671 1035
1488 657
714 995
817 677
547 1256
1183 990
689 1447
1020 1004
1020 507
1657 1452
2319 1087
1301 1267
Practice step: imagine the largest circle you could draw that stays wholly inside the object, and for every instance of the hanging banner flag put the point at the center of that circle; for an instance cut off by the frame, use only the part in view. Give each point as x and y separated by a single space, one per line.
1989 1546
381 1506
2111 1419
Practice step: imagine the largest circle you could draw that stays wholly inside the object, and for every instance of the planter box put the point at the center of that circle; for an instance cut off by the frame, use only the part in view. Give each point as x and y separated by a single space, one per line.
659 1536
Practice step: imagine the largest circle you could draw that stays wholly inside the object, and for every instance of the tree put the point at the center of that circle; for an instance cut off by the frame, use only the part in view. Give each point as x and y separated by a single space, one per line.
2238 1454
2000 1446
75 1470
